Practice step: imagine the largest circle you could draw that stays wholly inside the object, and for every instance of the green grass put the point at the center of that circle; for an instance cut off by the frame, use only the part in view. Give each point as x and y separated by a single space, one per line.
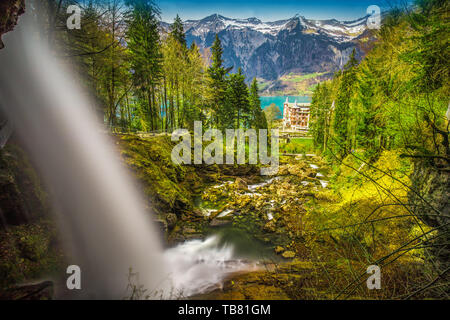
299 78
298 145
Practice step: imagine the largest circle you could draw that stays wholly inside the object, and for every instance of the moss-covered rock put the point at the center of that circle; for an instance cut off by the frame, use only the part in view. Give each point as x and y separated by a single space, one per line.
288 254
429 199
22 198
28 237
170 187
28 252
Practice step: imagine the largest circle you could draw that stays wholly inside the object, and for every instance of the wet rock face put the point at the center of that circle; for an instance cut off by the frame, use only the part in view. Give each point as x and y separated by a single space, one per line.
10 10
431 203
433 191
22 198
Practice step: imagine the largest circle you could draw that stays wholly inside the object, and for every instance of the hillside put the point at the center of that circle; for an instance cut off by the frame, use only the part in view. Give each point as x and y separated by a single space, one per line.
272 50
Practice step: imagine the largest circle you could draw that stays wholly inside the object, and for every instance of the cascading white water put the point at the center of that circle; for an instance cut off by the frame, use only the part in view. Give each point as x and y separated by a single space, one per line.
199 266
102 214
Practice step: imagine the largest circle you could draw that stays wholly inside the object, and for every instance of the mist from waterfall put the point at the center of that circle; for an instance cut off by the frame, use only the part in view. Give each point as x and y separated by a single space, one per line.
104 223
102 215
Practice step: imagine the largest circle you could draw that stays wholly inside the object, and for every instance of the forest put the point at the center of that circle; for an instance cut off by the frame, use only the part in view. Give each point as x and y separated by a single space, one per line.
387 117
146 78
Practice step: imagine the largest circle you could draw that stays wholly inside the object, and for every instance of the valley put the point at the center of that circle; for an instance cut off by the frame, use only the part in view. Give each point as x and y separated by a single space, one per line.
288 56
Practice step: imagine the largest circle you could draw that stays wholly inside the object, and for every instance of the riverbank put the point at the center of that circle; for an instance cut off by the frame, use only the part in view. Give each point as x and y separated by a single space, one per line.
307 233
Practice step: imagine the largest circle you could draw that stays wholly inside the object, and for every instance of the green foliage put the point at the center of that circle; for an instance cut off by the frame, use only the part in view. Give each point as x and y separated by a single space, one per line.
272 113
342 112
168 185
146 57
147 80
389 109
257 116
28 252
298 146
217 87
321 115
177 31
237 105
396 98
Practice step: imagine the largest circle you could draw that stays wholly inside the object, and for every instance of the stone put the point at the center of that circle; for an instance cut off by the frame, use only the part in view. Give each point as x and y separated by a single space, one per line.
218 222
279 249
187 230
269 226
171 219
10 10
288 254
241 184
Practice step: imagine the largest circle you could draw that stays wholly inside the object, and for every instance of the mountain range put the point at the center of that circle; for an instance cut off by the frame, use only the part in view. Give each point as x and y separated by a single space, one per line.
291 49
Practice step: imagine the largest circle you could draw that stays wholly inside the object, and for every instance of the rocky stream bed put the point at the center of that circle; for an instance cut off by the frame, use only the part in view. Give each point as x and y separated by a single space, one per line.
258 222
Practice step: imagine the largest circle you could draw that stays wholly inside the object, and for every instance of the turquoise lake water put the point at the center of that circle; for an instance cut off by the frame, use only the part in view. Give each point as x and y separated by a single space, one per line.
279 101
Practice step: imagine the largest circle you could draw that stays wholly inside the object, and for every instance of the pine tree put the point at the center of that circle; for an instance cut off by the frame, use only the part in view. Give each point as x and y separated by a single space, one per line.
342 112
258 118
177 31
195 86
216 84
371 126
146 58
175 76
237 107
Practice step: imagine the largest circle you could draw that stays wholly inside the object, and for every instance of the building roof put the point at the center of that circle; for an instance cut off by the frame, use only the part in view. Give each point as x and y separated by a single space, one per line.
297 105
303 106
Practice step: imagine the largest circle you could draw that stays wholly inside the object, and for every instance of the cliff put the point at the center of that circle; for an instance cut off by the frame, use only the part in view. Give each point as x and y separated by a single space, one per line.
10 10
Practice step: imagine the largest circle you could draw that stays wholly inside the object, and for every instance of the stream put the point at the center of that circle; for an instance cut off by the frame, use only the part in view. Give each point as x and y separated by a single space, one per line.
199 266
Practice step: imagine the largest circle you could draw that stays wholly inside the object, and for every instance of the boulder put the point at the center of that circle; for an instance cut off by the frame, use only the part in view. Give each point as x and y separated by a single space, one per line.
218 222
171 219
288 254
270 226
279 249
10 10
241 184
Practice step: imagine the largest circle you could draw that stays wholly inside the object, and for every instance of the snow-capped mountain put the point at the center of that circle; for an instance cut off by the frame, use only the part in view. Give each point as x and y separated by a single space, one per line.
270 50
339 31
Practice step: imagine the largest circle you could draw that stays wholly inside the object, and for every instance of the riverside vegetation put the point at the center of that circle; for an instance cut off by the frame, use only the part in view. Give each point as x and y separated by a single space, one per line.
375 192
317 238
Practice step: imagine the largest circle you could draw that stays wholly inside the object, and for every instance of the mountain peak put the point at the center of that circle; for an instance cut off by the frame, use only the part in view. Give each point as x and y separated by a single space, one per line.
215 17
270 49
338 31
254 20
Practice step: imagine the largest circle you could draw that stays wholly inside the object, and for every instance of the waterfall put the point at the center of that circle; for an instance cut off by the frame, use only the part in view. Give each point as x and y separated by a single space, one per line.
102 215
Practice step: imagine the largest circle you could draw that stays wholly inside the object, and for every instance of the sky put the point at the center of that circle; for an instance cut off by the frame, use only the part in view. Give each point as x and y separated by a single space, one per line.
269 10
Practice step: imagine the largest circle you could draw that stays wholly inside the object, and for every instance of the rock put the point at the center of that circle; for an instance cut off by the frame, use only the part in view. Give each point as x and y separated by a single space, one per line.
20 189
288 254
10 10
171 219
198 213
189 230
283 171
282 193
39 291
294 170
218 222
270 226
279 249
433 185
241 184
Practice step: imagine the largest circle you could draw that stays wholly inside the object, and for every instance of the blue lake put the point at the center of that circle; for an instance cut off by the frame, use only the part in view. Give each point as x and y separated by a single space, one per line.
279 100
